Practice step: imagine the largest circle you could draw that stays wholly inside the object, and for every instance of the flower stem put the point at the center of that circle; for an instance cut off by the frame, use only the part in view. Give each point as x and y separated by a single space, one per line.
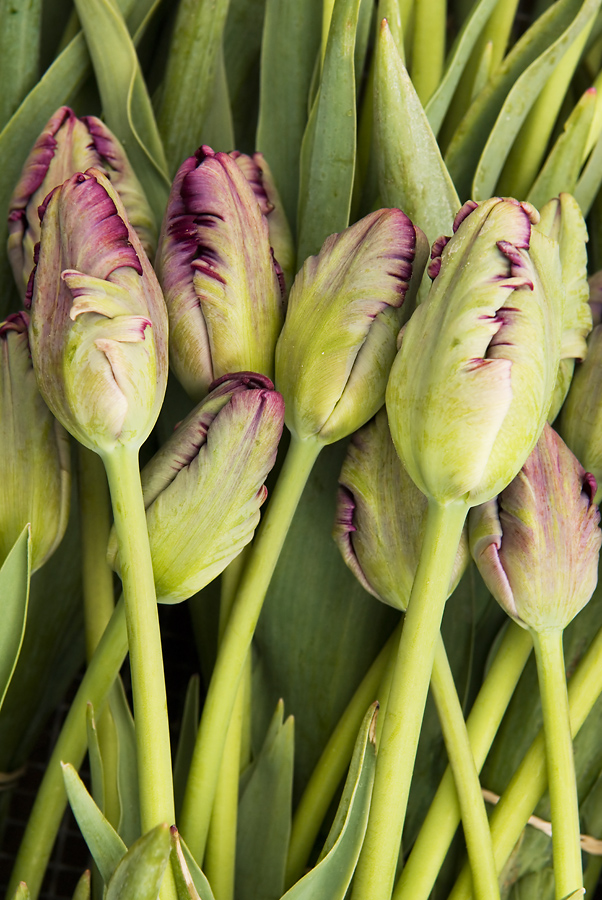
378 860
566 846
51 799
530 779
438 829
204 769
457 744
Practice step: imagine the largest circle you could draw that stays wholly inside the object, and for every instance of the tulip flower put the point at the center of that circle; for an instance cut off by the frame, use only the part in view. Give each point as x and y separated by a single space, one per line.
98 322
537 548
35 479
68 145
222 284
468 396
204 488
344 313
562 220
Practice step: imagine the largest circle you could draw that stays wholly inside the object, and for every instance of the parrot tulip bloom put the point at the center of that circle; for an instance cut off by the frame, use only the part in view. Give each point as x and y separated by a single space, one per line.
204 488
66 146
98 328
35 476
344 313
381 517
222 285
472 384
537 544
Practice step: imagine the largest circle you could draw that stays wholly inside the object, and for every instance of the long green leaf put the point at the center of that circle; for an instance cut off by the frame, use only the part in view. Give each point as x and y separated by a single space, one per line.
242 52
14 597
139 874
190 867
333 873
95 759
291 40
190 76
412 174
82 889
104 843
328 148
590 179
127 765
458 57
264 815
22 892
541 46
20 41
561 169
126 104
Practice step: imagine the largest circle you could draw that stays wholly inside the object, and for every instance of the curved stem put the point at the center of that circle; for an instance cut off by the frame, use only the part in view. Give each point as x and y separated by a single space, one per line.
378 860
333 763
566 846
474 815
530 779
204 769
438 829
51 799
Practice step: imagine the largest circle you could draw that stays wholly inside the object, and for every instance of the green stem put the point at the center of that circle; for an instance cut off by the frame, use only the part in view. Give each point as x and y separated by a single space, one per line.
438 829
566 845
474 815
204 770
333 763
530 779
51 799
378 861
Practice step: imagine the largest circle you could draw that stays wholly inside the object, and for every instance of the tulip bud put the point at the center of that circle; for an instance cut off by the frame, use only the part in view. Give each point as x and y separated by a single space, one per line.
218 273
472 384
537 544
68 145
381 517
98 324
35 461
562 220
203 489
259 175
344 313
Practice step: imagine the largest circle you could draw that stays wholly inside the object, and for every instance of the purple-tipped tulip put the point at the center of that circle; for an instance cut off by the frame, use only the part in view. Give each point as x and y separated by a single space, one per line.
222 285
204 488
35 461
98 321
344 313
537 544
68 145
381 517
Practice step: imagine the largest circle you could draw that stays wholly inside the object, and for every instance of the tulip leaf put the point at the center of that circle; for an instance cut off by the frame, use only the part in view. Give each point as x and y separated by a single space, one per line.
218 132
127 765
328 147
95 760
82 889
191 871
22 892
534 56
333 873
412 174
291 40
521 99
139 873
458 57
126 104
190 76
104 843
187 739
264 815
242 51
589 182
561 169
14 598
20 41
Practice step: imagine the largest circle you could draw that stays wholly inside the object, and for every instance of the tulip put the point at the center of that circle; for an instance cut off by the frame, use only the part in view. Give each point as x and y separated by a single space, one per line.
537 548
35 480
344 313
222 284
98 322
562 220
204 488
66 146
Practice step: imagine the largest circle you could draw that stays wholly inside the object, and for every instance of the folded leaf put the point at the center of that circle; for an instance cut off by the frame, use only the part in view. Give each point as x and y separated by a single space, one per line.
139 874
14 598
